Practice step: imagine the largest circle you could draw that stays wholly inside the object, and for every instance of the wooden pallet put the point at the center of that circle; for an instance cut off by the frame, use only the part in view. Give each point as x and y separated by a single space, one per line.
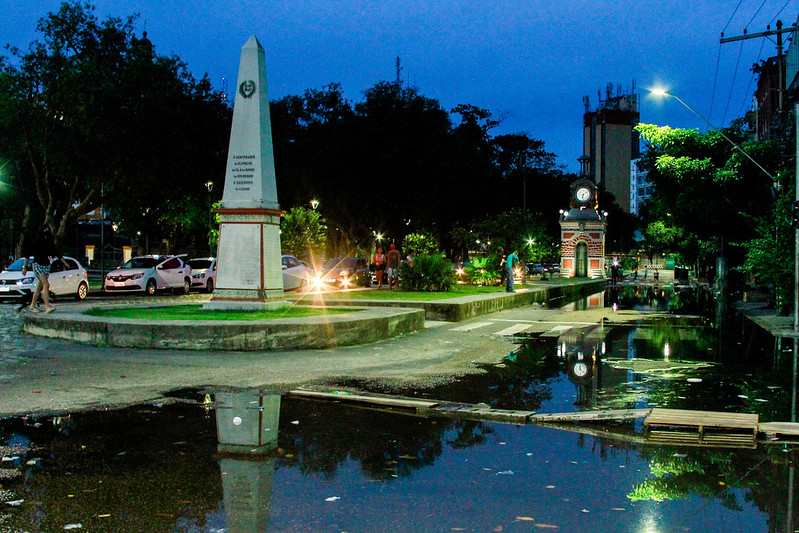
704 428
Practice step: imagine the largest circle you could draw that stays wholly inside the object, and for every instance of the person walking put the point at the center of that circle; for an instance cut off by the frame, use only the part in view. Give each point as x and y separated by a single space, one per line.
43 250
393 260
380 267
510 263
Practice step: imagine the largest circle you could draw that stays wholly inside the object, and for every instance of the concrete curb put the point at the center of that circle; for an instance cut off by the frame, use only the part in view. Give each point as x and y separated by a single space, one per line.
362 326
466 307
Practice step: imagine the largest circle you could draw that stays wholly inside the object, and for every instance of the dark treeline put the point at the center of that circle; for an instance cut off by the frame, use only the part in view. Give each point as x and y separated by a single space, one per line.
397 162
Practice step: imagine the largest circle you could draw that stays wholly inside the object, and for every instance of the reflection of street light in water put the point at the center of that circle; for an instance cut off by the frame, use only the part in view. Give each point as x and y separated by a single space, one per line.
663 92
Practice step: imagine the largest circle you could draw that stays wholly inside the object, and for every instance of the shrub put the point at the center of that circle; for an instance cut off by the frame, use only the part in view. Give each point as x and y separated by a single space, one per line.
430 273
484 270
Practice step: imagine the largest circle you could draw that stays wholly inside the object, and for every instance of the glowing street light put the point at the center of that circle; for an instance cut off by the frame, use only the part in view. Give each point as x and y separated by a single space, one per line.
314 203
663 92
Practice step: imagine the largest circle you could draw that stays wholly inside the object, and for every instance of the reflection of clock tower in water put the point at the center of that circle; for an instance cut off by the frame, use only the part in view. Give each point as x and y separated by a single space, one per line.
582 230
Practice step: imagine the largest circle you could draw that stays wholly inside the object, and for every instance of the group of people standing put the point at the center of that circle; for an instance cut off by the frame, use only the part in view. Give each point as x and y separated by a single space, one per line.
388 265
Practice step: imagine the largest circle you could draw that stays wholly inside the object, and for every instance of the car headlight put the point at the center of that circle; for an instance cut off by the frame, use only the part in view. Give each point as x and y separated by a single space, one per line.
137 276
345 273
108 277
198 276
26 281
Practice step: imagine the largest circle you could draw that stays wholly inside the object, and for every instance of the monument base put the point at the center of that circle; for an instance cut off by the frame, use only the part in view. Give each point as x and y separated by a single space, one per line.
249 271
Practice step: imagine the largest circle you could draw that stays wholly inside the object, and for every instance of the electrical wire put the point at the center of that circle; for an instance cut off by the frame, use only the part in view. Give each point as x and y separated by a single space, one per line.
732 84
733 14
715 79
778 12
756 12
751 79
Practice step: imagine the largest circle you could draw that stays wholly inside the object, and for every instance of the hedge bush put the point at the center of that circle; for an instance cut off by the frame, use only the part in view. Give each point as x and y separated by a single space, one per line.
429 273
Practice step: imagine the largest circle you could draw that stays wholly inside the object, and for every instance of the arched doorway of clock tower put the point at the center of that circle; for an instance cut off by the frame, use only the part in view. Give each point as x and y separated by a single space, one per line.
581 260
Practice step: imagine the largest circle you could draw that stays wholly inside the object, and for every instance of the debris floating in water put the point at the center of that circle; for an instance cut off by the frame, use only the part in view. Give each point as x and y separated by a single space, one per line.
694 380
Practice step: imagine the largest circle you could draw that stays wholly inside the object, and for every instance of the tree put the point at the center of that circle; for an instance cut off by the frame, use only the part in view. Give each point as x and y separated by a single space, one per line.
706 189
303 233
100 119
422 243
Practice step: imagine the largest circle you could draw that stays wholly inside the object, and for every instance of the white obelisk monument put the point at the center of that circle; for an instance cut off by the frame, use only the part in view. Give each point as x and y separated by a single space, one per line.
249 270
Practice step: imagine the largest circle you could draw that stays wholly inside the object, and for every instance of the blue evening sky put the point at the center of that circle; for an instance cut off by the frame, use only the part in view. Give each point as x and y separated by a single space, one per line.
529 60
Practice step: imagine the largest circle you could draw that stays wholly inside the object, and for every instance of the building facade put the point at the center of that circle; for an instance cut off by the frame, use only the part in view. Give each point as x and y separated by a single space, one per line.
610 142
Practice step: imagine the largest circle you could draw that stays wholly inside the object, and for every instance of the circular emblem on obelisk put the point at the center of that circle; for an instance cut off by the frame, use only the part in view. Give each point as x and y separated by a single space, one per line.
247 88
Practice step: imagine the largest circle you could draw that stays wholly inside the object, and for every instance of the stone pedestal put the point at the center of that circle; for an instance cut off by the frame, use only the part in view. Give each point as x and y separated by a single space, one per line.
247 274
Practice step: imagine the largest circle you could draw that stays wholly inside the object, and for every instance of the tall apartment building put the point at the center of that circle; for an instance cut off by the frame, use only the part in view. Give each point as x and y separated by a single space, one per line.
610 142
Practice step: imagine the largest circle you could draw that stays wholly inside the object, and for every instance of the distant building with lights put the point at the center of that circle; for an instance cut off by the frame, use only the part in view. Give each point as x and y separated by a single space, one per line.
610 142
640 187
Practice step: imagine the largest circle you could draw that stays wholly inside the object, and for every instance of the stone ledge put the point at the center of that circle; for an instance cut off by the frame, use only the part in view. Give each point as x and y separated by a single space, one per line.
466 307
329 331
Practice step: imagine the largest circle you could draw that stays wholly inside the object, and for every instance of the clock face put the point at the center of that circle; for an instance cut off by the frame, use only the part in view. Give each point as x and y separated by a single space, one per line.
583 194
580 369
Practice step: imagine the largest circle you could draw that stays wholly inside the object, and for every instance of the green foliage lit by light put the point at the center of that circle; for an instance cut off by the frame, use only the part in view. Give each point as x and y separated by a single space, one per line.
302 233
483 270
422 243
432 273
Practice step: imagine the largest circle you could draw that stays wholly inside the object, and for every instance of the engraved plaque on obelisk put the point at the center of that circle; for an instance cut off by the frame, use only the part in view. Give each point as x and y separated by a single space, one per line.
249 271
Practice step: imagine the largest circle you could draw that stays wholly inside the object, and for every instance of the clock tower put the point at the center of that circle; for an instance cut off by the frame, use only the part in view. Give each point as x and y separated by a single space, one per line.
582 233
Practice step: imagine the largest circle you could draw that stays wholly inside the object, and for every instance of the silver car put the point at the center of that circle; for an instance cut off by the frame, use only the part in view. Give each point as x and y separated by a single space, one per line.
149 274
64 280
296 274
203 273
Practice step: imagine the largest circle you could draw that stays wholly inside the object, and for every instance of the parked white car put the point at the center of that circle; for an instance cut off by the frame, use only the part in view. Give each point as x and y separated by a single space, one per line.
203 273
72 280
150 273
296 274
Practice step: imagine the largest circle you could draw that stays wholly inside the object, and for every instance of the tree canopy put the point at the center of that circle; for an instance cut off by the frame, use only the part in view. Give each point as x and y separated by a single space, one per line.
708 195
93 116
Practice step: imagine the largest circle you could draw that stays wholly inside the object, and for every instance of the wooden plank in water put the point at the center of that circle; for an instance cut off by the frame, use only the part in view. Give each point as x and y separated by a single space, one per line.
587 416
702 420
775 430
352 397
476 412
695 439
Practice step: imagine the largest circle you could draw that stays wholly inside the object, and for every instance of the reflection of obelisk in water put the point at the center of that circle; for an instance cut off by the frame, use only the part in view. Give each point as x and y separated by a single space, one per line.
249 271
247 425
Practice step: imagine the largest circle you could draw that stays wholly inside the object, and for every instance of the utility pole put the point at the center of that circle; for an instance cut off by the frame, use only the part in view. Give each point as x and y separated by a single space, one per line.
783 126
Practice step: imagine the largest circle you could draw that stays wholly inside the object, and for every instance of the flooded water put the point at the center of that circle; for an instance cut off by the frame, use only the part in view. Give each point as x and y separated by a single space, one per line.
245 461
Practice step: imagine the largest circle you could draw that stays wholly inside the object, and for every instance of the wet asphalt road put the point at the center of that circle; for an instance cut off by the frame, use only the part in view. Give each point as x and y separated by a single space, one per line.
46 376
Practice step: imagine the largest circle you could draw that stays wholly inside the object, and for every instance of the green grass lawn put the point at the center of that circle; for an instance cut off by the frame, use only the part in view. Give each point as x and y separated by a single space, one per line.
457 292
196 312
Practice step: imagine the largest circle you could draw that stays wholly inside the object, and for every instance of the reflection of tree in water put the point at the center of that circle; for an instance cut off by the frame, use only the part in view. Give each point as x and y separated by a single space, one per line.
730 476
684 300
387 445
144 468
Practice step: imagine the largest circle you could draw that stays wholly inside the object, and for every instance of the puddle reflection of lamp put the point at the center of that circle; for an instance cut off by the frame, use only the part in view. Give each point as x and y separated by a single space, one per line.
247 428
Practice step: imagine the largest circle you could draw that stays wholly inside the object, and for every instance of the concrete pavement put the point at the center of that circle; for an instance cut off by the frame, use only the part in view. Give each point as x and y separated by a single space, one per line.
41 376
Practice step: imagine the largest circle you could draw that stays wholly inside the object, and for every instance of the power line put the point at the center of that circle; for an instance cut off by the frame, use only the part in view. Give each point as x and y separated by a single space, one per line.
756 12
732 85
716 77
780 11
751 79
733 14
